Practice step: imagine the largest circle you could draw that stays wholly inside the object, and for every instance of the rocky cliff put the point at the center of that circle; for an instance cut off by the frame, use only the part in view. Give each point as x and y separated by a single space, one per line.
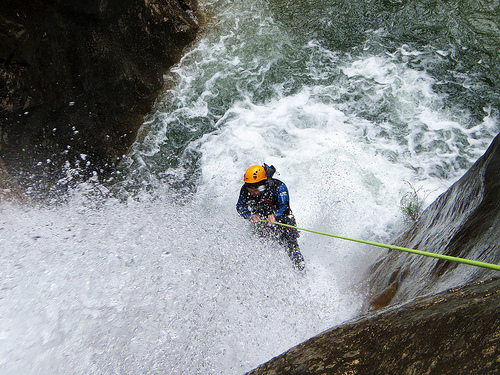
78 76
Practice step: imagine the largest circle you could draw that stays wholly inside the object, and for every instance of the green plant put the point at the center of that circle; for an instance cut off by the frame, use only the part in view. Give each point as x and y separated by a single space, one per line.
411 204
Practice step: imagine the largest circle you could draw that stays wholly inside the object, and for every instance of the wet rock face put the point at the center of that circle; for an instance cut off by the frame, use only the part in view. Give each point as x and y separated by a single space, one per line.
463 222
78 76
454 332
9 188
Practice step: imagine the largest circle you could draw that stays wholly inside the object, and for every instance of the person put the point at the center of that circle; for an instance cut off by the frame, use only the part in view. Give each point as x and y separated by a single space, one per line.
263 197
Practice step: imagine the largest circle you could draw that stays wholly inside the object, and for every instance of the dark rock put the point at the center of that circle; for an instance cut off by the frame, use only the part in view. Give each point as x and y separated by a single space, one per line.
462 222
454 332
9 188
77 78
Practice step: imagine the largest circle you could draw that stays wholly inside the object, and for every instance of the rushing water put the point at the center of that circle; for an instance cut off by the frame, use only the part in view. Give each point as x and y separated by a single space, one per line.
154 272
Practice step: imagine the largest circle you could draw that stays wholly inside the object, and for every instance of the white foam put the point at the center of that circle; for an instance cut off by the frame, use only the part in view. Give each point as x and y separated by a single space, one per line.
152 287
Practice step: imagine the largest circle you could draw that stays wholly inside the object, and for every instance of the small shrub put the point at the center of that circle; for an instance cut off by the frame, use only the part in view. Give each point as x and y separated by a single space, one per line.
411 204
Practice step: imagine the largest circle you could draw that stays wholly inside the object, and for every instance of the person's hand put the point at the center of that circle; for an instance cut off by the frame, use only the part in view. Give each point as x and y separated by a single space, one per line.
254 218
272 219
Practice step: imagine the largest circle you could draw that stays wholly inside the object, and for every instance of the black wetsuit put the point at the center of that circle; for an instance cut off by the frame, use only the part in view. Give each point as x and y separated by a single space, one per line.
273 200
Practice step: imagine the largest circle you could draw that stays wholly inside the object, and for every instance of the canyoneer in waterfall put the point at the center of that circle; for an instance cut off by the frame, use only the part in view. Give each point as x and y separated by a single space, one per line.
263 197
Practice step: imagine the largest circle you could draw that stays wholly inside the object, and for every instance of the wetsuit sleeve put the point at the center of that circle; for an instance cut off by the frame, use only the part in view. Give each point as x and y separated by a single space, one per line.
283 200
241 205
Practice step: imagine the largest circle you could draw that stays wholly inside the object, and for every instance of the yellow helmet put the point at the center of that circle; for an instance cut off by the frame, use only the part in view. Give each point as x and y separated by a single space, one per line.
255 174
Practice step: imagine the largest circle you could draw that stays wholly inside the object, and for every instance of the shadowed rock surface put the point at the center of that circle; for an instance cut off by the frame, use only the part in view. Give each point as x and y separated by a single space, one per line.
9 188
77 78
454 332
462 222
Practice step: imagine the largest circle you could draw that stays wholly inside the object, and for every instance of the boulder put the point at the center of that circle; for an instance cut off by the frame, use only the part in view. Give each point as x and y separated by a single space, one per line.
77 78
453 332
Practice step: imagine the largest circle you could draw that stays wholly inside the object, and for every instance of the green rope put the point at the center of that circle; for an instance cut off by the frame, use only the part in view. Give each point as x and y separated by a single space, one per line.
392 247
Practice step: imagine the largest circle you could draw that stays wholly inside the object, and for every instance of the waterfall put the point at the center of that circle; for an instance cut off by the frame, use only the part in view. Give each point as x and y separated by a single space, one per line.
154 272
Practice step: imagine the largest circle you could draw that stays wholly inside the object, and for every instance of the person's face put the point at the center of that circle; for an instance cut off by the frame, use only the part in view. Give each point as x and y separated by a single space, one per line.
256 191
